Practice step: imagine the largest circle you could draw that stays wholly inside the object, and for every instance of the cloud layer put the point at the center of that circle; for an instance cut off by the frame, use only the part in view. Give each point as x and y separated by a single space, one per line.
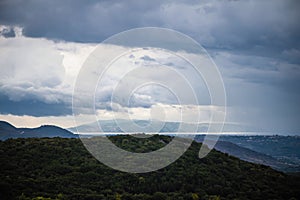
254 43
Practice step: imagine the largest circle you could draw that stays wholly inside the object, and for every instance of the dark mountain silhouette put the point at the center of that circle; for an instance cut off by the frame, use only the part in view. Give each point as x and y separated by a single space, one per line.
9 131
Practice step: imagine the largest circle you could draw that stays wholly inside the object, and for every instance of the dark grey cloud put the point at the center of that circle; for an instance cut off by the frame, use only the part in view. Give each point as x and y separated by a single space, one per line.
80 21
147 58
244 25
33 107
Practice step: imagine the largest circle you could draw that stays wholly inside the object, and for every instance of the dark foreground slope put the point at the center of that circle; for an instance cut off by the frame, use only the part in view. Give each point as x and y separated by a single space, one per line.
63 169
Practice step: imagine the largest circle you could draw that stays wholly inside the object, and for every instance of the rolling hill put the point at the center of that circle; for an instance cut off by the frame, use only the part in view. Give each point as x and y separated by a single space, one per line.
61 168
257 149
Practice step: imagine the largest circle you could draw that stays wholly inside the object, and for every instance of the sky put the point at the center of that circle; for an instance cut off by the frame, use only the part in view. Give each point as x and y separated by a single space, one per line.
255 45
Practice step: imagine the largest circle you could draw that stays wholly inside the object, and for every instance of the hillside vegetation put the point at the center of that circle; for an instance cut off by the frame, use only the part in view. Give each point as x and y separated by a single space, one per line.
61 168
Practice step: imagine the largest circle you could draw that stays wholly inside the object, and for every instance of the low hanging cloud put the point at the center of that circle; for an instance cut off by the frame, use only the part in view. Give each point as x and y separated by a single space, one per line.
37 72
25 65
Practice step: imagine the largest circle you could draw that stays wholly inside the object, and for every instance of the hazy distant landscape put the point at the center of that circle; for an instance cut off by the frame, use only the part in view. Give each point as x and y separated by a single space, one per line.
277 151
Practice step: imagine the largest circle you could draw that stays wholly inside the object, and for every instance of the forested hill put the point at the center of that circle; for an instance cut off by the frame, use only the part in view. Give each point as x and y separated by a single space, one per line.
61 168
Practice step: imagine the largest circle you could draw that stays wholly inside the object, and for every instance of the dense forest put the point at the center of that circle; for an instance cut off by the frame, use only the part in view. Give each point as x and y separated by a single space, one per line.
61 168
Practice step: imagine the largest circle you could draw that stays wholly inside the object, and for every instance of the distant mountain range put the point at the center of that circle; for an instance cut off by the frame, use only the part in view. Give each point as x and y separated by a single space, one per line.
9 131
114 127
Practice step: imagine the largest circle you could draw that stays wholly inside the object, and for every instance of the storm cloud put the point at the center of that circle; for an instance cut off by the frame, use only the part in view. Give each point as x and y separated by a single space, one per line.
255 44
